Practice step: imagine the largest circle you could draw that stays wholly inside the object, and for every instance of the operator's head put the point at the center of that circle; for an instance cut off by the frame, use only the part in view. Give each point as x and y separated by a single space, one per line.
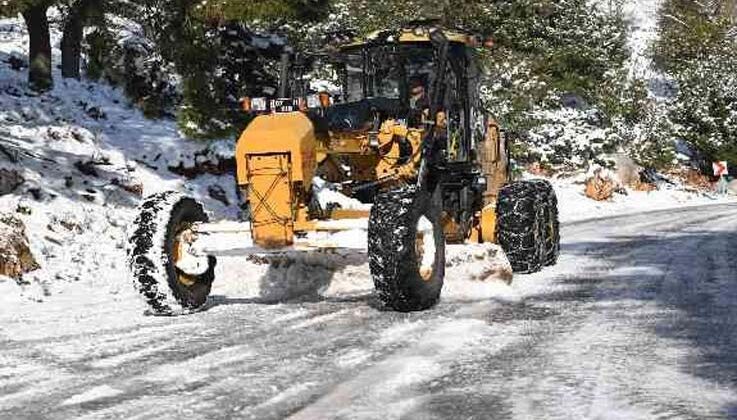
416 86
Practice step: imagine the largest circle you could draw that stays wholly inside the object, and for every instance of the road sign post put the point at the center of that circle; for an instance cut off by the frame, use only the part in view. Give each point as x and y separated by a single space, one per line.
721 170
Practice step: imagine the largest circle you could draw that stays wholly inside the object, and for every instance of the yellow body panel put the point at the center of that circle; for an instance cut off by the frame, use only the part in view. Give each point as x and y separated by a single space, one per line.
371 163
484 228
349 214
275 159
493 159
291 133
488 224
270 195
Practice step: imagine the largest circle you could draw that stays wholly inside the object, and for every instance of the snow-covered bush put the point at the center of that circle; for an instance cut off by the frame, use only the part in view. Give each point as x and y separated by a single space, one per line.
556 80
229 62
705 112
511 90
121 54
649 141
697 48
570 138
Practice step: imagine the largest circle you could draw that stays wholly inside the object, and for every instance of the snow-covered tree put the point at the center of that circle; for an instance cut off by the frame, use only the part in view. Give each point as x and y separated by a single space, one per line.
39 57
697 47
77 15
219 55
689 31
706 107
564 56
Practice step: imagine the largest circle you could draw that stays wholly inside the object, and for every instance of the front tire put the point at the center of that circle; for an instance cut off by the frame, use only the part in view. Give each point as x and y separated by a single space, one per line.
152 251
406 248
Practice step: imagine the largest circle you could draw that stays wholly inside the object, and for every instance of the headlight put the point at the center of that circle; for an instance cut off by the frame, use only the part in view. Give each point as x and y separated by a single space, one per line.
480 182
259 104
325 99
246 104
313 101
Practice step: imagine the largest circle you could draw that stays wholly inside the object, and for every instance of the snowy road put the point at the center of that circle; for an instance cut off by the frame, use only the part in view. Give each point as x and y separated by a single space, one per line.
638 320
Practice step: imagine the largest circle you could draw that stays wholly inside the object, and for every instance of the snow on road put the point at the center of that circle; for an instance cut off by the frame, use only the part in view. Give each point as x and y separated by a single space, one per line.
636 321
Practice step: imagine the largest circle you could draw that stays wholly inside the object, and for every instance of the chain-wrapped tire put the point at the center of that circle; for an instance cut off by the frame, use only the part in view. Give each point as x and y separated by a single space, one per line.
406 248
520 225
152 255
551 230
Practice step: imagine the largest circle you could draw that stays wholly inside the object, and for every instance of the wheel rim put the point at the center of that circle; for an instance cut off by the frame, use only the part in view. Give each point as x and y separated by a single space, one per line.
180 239
425 248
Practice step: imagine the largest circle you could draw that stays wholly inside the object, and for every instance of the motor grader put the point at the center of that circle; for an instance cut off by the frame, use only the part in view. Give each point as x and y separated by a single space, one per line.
433 173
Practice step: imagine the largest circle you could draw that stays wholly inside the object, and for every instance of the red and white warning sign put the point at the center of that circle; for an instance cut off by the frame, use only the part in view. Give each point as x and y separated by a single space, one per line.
720 168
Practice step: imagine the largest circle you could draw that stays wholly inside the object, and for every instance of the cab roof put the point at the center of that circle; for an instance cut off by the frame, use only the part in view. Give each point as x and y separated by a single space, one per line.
418 33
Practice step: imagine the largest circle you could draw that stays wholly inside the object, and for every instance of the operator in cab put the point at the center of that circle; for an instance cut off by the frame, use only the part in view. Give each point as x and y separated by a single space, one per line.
419 102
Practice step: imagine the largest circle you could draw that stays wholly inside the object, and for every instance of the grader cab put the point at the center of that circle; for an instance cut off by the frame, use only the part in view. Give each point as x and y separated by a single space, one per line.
406 135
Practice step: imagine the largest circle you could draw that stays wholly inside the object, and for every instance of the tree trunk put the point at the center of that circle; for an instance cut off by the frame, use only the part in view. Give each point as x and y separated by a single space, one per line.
71 41
71 44
39 56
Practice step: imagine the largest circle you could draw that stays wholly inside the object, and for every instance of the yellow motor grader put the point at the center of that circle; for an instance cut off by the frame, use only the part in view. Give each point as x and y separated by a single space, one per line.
406 134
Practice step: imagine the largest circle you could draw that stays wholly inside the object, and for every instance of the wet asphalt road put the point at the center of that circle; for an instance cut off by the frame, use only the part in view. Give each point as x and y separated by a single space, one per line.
638 320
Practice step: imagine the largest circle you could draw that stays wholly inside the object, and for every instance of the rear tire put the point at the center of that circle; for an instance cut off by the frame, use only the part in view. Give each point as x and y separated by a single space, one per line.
551 228
151 245
408 272
520 226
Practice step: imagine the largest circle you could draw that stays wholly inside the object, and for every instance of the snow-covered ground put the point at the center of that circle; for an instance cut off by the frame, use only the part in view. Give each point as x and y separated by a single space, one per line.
575 206
636 321
75 342
80 210
77 220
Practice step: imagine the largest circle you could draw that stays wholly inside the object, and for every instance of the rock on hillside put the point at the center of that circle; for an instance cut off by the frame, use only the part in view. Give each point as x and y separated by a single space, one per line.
15 254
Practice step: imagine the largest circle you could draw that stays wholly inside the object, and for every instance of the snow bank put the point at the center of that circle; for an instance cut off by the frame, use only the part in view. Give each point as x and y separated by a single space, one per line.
574 205
86 157
329 196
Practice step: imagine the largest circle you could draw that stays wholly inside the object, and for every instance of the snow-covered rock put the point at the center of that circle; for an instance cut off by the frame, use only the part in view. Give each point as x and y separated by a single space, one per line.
600 186
16 258
9 180
627 171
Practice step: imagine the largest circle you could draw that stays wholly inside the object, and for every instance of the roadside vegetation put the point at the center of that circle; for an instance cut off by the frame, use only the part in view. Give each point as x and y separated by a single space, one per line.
558 79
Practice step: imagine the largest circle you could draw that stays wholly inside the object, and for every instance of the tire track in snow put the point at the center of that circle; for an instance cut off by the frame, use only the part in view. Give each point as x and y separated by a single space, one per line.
555 346
595 359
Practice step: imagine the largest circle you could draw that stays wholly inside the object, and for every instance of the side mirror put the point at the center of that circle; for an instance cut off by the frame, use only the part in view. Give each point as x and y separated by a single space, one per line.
441 120
437 37
325 99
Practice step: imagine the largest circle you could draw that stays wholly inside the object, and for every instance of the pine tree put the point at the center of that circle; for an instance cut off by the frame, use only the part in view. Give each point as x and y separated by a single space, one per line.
697 47
78 14
39 59
220 57
689 31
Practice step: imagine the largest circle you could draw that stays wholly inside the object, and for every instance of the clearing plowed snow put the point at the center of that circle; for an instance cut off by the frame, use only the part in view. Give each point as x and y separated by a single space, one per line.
636 319
303 336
